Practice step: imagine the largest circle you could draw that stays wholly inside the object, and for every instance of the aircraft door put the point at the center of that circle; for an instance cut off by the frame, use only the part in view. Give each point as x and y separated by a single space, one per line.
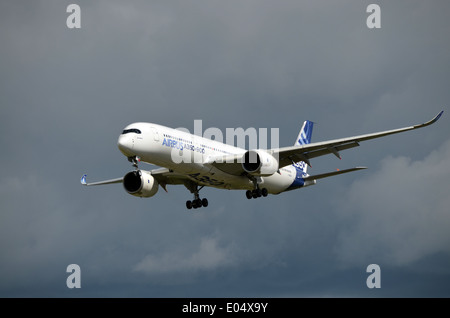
155 134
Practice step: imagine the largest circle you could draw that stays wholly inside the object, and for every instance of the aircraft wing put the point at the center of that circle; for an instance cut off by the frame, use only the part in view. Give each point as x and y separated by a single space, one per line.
164 177
288 155
84 182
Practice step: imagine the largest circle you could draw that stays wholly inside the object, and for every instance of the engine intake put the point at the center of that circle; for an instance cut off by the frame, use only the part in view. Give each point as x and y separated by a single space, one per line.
140 184
259 163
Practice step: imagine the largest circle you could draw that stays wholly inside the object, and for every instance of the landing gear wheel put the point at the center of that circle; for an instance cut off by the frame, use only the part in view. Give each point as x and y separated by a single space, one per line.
196 202
257 193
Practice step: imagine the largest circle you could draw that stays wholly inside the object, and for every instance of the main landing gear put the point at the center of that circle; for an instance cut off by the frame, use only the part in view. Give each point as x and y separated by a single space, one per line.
256 192
197 202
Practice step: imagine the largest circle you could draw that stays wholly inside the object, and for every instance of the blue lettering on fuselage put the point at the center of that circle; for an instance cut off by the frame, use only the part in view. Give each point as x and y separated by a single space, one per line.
181 145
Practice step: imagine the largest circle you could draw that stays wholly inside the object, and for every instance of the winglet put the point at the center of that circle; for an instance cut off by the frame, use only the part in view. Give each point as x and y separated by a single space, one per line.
435 119
83 179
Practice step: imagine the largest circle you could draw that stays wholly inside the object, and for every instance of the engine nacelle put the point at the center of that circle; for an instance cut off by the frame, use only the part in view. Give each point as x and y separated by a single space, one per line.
259 163
140 184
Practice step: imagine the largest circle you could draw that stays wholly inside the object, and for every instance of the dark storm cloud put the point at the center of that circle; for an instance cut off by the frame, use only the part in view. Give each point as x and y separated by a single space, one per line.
399 226
66 94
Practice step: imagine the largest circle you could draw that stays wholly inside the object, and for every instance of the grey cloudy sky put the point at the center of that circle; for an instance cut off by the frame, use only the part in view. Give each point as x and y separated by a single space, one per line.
65 96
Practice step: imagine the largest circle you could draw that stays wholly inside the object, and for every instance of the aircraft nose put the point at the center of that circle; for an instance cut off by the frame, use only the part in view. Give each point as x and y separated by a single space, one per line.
125 145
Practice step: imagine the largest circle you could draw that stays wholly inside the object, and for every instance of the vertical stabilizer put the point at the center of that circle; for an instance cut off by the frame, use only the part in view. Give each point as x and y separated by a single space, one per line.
304 137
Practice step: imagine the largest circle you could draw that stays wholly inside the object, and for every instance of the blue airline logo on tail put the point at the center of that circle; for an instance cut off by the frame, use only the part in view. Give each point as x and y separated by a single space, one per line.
304 137
306 133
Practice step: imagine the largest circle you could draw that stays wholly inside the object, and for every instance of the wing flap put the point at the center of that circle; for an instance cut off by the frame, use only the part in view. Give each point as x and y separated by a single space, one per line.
294 155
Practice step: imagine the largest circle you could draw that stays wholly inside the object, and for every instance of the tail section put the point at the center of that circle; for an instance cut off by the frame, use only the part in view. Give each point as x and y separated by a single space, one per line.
304 137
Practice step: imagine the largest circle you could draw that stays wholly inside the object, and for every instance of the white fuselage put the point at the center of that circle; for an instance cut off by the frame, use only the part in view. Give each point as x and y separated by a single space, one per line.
195 161
164 146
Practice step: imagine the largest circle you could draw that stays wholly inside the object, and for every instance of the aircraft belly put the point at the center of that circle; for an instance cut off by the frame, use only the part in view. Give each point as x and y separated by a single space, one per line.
213 177
221 180
279 182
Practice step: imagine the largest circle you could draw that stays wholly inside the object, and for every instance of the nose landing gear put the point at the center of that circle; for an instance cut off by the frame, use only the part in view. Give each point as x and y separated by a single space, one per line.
135 160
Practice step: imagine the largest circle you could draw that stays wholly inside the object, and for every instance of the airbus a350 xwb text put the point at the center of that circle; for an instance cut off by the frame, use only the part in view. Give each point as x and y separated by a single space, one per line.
197 162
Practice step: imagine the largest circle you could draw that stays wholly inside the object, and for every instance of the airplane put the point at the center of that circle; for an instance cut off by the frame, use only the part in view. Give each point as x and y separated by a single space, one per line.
257 171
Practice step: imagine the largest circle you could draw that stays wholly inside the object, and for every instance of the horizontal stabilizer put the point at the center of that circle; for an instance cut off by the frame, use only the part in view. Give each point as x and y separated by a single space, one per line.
331 174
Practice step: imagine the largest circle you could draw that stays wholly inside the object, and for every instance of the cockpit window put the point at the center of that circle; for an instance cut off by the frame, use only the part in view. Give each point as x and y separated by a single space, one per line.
132 130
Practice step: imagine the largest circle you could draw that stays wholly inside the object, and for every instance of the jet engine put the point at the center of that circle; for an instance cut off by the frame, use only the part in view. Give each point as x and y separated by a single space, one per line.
140 184
259 163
